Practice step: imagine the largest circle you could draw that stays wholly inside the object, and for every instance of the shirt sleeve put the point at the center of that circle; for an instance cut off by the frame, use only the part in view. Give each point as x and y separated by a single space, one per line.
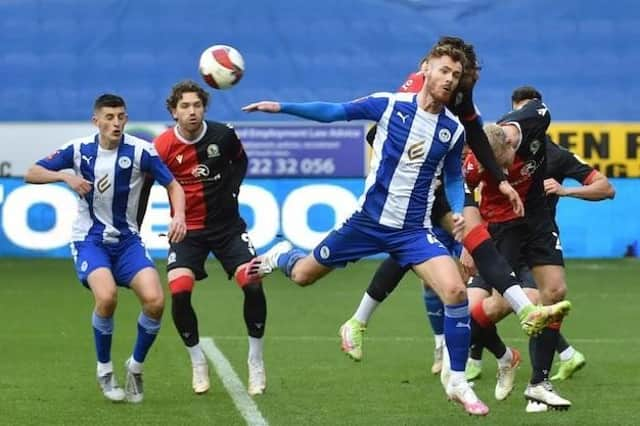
150 163
61 159
452 176
368 108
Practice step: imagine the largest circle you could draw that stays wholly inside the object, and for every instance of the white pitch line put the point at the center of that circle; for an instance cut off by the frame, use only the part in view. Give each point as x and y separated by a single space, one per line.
243 402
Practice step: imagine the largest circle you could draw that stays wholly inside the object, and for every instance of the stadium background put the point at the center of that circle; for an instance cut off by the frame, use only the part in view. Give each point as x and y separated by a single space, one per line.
57 55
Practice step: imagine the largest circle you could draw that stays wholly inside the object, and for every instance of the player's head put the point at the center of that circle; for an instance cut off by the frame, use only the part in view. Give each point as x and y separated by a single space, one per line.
187 104
445 65
503 151
471 65
110 116
524 94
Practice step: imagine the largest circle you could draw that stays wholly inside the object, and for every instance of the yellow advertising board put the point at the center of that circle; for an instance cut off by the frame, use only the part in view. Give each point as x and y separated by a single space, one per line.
613 148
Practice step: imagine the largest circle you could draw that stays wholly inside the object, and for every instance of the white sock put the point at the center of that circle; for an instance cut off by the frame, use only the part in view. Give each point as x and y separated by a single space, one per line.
439 340
104 368
134 366
196 353
366 308
255 350
505 360
457 377
516 298
567 353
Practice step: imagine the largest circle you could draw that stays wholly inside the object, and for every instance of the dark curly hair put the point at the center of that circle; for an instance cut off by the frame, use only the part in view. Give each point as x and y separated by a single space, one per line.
182 87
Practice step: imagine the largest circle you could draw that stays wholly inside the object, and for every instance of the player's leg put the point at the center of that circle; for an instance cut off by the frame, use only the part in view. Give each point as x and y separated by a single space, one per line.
93 268
477 291
384 281
441 272
133 267
185 265
358 237
236 254
496 270
544 255
435 314
571 360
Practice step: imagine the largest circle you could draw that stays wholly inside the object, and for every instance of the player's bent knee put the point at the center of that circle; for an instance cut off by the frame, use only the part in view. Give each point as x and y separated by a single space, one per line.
302 278
181 284
455 293
555 294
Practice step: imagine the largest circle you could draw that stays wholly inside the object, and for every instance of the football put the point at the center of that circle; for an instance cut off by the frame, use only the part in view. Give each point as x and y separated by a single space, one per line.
221 66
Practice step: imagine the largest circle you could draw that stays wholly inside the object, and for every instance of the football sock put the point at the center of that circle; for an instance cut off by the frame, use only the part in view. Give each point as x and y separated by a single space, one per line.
456 334
386 279
567 354
506 358
435 310
485 332
147 331
562 344
494 269
102 332
255 349
255 309
104 368
476 348
197 354
286 261
184 318
367 305
542 351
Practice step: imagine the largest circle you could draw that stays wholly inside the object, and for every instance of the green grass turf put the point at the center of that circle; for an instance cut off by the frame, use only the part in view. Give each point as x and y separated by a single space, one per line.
47 360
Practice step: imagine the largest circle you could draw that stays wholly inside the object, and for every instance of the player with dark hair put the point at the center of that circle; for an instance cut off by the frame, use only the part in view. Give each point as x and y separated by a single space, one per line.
208 160
532 238
487 311
109 171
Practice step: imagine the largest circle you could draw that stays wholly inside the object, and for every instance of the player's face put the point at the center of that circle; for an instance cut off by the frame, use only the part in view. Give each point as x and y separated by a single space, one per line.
189 112
110 122
443 75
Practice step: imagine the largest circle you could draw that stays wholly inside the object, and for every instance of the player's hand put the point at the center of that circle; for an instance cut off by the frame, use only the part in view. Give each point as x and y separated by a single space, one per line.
457 229
264 106
79 184
177 229
552 186
468 265
516 203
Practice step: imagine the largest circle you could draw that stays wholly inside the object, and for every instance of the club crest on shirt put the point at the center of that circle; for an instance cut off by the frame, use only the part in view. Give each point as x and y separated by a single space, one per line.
179 158
124 162
535 146
444 135
213 151
84 266
325 252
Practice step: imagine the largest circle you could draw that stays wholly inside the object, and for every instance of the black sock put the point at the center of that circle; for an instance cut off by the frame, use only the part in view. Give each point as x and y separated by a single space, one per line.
493 267
475 351
485 338
386 279
562 344
542 349
476 339
184 318
255 309
493 342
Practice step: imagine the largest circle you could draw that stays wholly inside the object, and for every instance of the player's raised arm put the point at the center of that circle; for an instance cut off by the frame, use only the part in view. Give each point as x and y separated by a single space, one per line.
368 108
